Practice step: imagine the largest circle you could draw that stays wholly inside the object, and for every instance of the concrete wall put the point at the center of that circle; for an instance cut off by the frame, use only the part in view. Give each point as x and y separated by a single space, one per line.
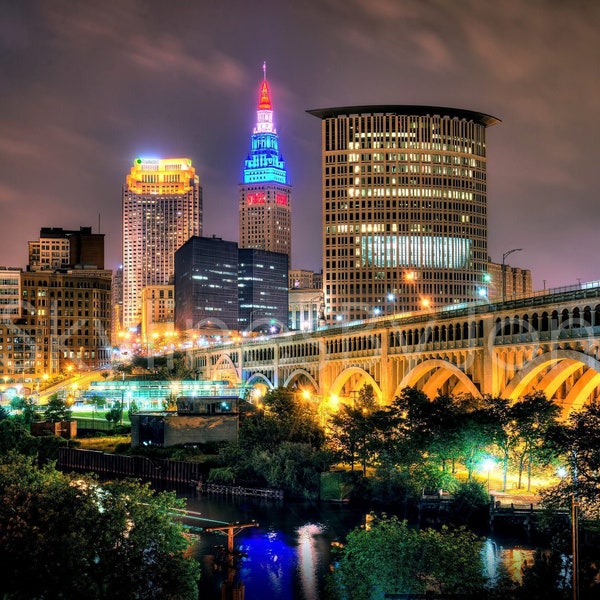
191 429
188 429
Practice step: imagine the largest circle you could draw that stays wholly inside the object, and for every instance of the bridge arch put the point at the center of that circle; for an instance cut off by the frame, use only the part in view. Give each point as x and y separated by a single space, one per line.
303 377
260 382
224 368
549 371
433 374
358 378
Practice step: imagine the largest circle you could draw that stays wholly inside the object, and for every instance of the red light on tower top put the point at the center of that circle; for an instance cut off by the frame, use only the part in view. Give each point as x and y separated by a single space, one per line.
264 95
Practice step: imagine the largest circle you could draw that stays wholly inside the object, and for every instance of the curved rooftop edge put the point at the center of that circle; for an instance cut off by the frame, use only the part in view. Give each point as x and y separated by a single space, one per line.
406 109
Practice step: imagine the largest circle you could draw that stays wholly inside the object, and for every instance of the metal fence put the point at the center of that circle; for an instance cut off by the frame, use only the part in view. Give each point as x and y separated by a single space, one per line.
119 465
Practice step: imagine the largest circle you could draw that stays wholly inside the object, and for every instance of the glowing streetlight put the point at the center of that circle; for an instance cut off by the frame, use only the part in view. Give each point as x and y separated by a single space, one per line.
488 465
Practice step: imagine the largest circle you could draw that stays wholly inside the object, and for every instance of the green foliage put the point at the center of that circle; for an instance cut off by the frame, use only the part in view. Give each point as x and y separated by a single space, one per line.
470 503
280 446
293 467
115 414
534 416
222 475
389 557
96 400
70 538
27 408
392 485
15 436
57 410
577 443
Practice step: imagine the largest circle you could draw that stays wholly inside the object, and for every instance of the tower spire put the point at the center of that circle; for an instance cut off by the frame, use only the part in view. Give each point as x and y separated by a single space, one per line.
265 211
264 95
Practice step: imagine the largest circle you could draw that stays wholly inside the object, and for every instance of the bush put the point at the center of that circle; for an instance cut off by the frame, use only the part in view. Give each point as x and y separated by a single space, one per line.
470 503
391 486
221 476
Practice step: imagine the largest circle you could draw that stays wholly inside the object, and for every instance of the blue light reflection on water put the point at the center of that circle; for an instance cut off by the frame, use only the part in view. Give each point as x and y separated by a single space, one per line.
286 557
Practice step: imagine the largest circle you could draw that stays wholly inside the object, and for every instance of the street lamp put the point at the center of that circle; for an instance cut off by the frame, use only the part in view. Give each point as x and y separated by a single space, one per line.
488 465
507 253
575 528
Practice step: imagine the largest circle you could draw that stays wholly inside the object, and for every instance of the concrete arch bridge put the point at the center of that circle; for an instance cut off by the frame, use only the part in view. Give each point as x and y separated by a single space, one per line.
546 342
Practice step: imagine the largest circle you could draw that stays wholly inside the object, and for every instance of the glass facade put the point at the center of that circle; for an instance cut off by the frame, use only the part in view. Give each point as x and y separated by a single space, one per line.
206 285
404 208
262 290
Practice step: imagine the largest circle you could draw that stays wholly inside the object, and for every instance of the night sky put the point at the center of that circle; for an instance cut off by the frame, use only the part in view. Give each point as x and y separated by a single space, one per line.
87 86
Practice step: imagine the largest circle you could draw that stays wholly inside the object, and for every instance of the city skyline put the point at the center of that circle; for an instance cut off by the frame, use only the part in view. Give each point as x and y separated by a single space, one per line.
88 88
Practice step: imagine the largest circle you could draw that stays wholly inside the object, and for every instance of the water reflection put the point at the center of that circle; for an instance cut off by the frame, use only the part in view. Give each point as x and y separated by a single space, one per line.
308 559
288 556
510 557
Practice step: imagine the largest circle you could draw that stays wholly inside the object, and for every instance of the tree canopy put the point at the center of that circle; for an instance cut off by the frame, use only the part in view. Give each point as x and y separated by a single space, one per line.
66 537
389 557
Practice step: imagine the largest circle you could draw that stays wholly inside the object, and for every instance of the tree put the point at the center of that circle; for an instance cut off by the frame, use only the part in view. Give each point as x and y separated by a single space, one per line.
115 414
57 410
388 557
349 428
64 537
503 430
285 418
366 399
534 415
173 367
15 437
280 445
293 467
577 443
28 409
409 436
97 401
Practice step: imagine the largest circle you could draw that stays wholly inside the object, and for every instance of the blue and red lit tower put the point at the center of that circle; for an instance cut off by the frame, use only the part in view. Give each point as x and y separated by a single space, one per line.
265 194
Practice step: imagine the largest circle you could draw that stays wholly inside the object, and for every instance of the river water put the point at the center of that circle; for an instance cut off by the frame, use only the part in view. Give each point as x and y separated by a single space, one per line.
288 554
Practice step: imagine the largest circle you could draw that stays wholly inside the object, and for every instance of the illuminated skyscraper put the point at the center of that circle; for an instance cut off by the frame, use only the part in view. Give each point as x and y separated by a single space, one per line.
265 208
162 209
404 208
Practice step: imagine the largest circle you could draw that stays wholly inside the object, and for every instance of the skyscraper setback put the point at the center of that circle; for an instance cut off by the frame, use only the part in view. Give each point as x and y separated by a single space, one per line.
162 209
265 193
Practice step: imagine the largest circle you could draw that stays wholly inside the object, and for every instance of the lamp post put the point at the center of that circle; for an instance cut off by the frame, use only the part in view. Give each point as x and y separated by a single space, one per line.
488 465
575 529
507 253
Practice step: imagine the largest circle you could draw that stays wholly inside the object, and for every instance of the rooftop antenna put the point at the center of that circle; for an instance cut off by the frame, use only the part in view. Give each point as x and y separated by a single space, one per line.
264 69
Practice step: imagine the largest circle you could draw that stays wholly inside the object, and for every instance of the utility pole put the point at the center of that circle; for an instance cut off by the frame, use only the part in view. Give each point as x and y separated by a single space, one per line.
230 589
